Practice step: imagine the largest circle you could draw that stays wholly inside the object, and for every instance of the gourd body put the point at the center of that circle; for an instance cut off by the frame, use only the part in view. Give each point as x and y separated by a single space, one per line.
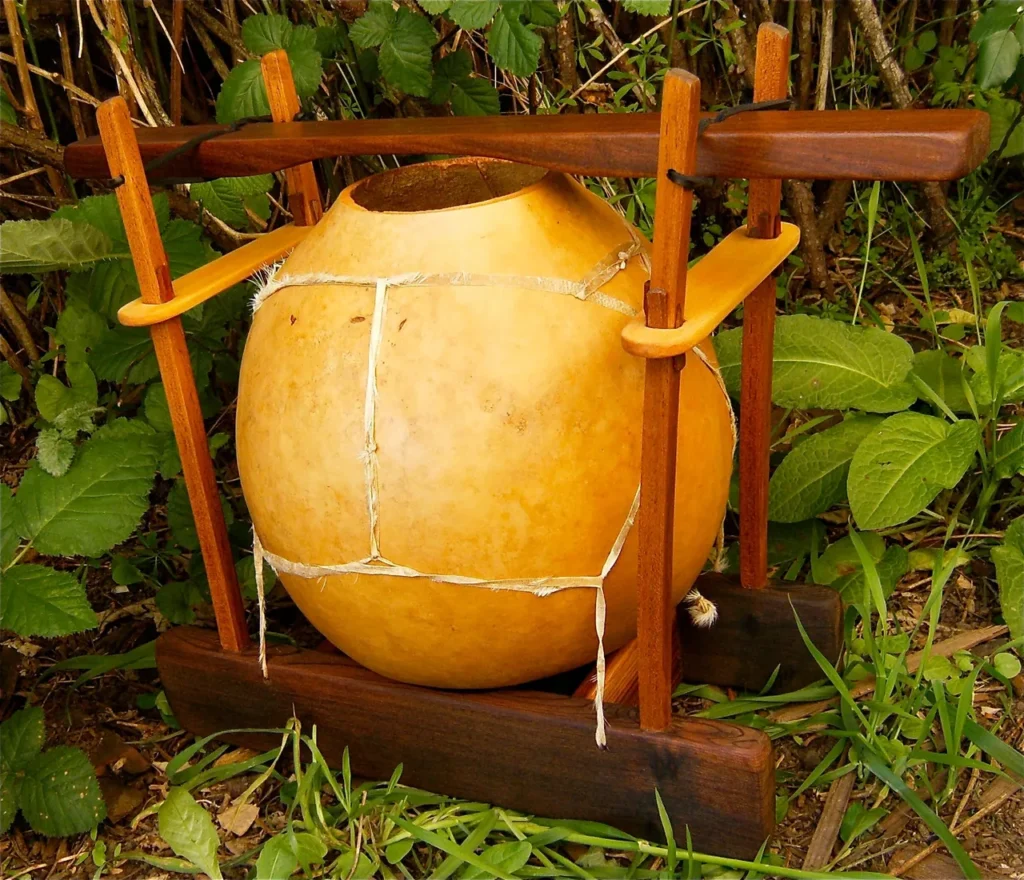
506 424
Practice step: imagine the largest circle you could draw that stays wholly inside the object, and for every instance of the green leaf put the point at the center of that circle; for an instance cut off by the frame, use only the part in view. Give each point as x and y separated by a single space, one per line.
53 397
245 571
59 795
472 14
374 26
508 857
8 519
178 601
158 413
179 516
10 783
827 364
37 600
997 18
53 452
1011 759
224 197
859 819
35 246
8 115
125 354
123 572
841 559
946 376
242 94
890 567
997 59
902 465
405 56
10 382
188 829
1002 114
265 33
21 737
927 41
1006 664
512 45
277 861
1009 561
812 478
454 82
95 505
543 13
305 60
647 7
1009 375
435 7
79 328
1008 454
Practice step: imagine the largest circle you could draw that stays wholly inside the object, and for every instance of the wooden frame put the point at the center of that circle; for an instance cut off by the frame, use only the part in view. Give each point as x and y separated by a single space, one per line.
528 748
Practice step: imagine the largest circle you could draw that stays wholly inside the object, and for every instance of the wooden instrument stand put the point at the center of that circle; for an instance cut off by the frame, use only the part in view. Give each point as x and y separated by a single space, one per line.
532 749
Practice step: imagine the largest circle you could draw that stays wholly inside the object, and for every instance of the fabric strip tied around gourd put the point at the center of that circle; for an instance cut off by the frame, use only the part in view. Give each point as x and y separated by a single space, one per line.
702 611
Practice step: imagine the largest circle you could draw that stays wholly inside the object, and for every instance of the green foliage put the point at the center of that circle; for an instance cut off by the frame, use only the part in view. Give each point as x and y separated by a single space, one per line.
188 830
228 197
468 95
34 246
37 600
1009 560
55 790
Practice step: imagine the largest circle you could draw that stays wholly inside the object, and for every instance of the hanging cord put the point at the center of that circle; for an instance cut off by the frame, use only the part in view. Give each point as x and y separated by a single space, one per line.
194 142
689 181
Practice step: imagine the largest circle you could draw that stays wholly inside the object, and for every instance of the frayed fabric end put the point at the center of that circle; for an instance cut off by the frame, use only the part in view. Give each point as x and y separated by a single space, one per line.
703 612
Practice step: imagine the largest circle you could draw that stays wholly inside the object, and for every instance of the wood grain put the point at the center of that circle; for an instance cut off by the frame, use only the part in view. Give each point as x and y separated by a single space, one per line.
811 145
756 632
663 308
526 750
771 81
303 191
154 276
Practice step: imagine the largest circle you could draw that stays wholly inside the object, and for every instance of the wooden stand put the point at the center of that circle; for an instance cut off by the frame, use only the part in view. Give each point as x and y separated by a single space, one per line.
529 749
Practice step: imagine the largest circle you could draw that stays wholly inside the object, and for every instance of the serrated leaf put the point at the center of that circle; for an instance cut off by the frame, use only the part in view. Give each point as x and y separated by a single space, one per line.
512 45
946 376
35 246
1008 454
454 82
95 505
224 197
10 784
76 419
8 530
125 354
265 33
812 478
647 7
903 464
79 327
827 364
997 59
305 60
471 14
242 94
59 795
104 213
435 7
406 54
188 829
21 737
374 26
1009 560
543 13
37 600
53 452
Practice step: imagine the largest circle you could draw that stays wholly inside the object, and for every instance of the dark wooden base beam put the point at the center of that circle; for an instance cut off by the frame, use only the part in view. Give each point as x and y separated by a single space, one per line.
527 750
756 631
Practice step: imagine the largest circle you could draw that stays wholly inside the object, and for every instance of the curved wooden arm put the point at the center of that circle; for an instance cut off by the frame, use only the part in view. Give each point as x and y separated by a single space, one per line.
714 287
207 281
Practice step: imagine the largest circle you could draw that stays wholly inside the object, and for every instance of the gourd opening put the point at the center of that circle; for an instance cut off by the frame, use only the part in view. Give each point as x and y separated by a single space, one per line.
437 186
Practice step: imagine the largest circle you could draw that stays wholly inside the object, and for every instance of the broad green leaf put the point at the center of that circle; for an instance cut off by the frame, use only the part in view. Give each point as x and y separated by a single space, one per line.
454 82
179 516
8 519
79 327
53 452
903 464
243 93
59 795
224 197
53 397
841 559
512 45
10 382
997 59
1002 114
997 18
890 567
104 213
374 26
508 857
277 861
265 33
406 55
1006 664
544 13
827 364
158 414
812 478
308 848
35 246
946 376
75 419
1009 375
37 600
188 829
647 7
123 572
435 7
305 60
470 14
178 600
1008 455
125 354
95 505
21 737
10 784
859 819
1009 560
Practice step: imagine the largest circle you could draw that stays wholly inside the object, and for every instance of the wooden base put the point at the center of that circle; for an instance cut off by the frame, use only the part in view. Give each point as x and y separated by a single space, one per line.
756 631
527 750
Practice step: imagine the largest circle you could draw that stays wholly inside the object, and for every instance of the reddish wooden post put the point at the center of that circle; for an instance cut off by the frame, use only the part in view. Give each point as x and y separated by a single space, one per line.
151 266
771 81
664 308
303 192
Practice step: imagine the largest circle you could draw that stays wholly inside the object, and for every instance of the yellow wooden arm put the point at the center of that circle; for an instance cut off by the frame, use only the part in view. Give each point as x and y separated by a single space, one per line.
213 278
714 287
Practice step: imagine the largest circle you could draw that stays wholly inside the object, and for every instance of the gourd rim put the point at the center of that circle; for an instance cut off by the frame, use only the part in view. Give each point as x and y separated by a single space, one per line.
534 178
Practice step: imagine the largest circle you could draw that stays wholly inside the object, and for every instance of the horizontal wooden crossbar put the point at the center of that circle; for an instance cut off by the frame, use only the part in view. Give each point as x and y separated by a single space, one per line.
714 287
207 281
816 145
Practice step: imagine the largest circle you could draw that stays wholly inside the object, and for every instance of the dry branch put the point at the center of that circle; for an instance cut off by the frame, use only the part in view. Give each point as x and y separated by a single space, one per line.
615 46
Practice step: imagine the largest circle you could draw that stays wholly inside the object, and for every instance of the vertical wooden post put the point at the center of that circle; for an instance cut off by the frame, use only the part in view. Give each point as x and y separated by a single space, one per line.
771 81
664 308
303 192
151 266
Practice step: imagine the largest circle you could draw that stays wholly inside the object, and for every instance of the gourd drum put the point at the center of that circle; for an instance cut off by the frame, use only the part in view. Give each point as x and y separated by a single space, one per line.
439 430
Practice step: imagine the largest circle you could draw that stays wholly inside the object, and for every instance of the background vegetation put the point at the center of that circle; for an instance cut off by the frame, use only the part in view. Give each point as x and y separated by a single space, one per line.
899 454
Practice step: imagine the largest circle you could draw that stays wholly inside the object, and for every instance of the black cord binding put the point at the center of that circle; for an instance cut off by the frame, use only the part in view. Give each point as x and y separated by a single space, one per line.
689 181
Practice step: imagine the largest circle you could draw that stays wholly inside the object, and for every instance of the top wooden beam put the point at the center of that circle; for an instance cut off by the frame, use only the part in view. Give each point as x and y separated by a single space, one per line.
810 145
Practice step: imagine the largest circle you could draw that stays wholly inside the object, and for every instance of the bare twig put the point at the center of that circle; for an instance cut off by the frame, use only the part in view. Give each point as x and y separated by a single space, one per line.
806 61
33 144
18 326
16 364
619 52
833 206
220 31
69 76
565 39
828 21
800 199
57 80
206 41
740 45
177 37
